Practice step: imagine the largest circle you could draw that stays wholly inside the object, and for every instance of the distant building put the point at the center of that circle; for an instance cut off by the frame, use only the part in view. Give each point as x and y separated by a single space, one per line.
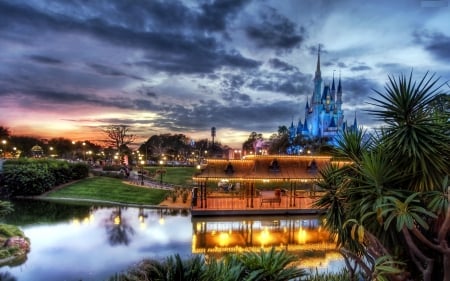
324 117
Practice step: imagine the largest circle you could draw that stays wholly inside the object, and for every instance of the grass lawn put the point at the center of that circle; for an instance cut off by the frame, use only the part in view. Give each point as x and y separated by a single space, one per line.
110 189
175 175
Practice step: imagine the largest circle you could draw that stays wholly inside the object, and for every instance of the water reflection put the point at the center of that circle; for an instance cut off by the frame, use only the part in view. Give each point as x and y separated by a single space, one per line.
119 229
302 236
72 242
94 242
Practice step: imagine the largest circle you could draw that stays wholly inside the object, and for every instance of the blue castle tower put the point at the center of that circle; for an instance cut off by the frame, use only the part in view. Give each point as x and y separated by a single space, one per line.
324 117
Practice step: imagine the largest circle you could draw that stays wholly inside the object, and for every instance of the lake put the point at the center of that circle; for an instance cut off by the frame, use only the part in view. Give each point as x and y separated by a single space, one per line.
85 242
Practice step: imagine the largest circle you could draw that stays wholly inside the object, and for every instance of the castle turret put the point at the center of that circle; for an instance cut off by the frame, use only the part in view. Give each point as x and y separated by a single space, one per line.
317 81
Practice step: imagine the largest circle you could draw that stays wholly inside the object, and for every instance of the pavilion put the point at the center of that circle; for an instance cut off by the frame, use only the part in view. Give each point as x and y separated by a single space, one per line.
258 184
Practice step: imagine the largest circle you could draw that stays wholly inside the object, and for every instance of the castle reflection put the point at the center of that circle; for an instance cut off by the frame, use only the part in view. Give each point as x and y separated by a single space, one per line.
302 236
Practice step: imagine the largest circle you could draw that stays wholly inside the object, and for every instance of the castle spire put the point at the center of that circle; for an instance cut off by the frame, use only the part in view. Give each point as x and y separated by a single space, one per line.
333 88
317 83
318 74
339 89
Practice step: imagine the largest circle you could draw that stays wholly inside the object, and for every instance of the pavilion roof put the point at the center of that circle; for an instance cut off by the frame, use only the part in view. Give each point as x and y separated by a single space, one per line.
291 168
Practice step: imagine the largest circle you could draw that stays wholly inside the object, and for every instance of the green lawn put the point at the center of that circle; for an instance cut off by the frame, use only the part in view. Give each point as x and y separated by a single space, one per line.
175 175
110 189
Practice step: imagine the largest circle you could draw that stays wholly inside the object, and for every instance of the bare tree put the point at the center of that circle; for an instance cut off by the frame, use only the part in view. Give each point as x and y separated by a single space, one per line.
118 136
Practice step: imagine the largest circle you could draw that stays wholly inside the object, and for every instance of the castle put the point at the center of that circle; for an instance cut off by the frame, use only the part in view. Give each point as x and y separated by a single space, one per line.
324 117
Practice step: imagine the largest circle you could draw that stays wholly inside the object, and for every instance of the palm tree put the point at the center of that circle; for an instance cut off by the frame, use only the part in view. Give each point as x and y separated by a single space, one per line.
414 136
393 195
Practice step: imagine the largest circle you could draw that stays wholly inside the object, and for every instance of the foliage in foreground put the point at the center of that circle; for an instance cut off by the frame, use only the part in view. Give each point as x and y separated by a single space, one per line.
249 266
343 275
389 210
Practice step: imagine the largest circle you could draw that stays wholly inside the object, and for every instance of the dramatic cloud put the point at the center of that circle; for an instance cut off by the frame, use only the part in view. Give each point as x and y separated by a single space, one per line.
70 67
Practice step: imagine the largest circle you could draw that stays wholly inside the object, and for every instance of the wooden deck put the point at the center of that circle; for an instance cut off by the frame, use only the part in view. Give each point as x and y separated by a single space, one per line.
235 204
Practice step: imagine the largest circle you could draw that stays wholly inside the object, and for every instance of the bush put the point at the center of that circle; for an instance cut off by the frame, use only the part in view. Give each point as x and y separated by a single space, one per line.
79 171
112 168
33 177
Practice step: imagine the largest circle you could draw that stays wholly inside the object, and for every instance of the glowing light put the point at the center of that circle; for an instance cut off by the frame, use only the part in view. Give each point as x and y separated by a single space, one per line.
116 220
224 239
264 237
76 222
302 236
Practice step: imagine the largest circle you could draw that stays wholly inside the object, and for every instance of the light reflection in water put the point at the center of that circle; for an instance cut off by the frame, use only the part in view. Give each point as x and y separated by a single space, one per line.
301 236
93 243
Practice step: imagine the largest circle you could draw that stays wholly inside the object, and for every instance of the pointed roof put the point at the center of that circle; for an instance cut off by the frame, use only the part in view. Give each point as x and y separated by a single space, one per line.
305 125
333 88
332 123
318 73
299 127
326 92
339 89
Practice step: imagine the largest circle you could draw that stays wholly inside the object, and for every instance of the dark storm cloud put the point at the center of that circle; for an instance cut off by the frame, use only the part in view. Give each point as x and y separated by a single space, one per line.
238 116
215 13
197 64
149 92
281 65
109 71
360 68
289 83
358 90
439 46
436 43
275 31
393 68
231 89
45 59
169 51
53 98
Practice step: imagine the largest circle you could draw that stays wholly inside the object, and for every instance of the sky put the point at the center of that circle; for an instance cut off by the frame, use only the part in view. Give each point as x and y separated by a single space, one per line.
69 68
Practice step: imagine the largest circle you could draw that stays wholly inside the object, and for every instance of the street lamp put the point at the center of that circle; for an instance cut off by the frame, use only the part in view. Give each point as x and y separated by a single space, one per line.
142 172
84 151
4 148
161 162
73 150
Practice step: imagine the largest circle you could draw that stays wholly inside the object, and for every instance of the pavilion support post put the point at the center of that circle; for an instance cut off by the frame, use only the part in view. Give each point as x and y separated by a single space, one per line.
295 193
201 195
252 192
292 194
206 201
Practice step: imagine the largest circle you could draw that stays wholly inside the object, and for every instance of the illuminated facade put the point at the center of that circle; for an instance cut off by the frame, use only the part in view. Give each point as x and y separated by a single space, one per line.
324 116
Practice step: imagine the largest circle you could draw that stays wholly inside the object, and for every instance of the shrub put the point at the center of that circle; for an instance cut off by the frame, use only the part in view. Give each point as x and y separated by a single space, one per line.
112 168
33 177
79 171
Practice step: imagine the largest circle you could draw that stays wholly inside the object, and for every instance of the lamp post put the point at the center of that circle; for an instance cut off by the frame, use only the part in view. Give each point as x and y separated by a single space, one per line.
161 162
4 148
73 150
84 151
142 172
